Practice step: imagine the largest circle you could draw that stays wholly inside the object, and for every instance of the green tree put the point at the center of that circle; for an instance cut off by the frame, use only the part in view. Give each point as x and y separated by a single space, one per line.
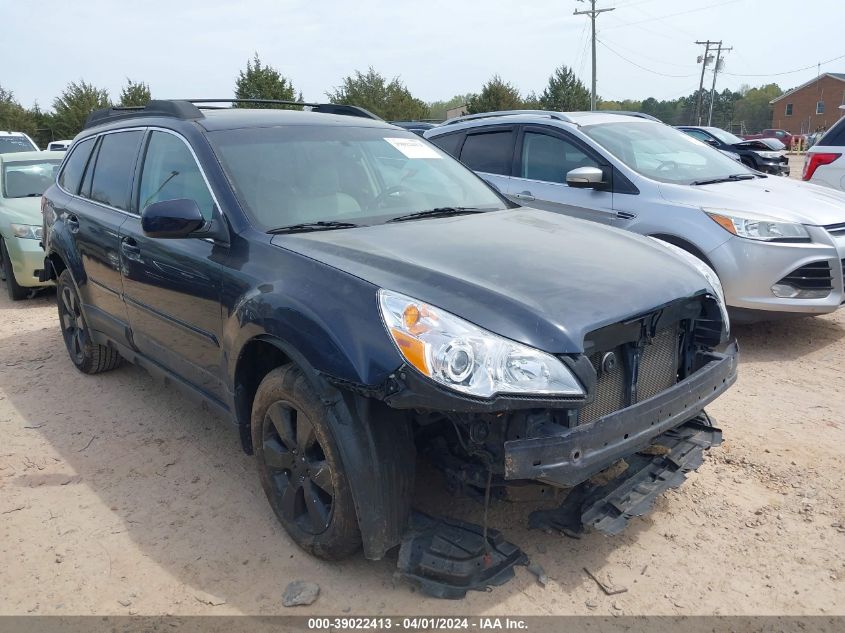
565 92
74 105
13 116
135 93
260 81
495 95
390 100
437 109
752 109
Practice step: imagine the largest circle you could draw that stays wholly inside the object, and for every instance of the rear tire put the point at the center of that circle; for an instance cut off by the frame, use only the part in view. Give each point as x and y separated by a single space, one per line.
300 466
86 355
16 292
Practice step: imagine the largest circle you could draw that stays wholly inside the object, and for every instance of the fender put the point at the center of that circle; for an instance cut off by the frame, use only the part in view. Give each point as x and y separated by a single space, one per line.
61 245
377 448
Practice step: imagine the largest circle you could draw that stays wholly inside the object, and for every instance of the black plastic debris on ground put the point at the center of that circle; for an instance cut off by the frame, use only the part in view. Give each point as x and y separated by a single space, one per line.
608 506
445 558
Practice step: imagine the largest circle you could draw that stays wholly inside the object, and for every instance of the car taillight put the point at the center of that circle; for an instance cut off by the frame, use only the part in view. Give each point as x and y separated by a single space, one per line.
814 161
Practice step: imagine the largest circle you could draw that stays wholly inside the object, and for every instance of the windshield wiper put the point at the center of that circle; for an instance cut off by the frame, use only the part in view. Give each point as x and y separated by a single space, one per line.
731 178
322 225
439 212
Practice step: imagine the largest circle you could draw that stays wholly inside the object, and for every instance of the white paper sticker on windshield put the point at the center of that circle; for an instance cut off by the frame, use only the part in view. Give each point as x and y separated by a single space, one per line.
413 148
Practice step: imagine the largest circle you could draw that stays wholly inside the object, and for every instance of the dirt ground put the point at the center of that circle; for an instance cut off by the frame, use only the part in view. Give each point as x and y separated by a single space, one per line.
120 497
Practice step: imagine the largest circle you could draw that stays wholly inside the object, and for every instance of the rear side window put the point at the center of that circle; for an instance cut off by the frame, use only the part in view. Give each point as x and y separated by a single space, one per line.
490 152
448 143
71 175
171 173
835 136
113 170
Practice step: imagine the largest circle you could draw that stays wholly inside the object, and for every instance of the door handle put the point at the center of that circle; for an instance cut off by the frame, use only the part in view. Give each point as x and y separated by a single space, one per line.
625 215
129 247
524 195
73 223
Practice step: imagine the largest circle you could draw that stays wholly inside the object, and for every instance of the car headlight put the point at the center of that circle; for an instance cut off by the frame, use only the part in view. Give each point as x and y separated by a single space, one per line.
768 155
757 228
467 358
27 231
708 273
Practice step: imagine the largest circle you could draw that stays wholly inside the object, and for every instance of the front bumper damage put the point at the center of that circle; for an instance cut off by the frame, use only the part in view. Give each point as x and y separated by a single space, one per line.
575 454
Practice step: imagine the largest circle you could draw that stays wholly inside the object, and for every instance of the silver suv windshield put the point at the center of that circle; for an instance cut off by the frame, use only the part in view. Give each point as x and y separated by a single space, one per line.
345 176
663 153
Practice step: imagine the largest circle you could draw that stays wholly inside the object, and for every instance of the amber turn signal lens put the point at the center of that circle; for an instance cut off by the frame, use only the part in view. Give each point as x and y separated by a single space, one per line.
725 223
412 349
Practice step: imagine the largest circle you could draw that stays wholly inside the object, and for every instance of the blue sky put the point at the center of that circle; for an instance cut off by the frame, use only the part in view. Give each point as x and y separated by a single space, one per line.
188 48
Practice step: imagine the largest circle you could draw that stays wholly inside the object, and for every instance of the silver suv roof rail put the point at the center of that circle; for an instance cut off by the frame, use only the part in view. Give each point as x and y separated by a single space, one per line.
485 115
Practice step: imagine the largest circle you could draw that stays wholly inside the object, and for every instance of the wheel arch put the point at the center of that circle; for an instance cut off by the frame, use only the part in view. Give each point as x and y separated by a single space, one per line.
374 440
680 242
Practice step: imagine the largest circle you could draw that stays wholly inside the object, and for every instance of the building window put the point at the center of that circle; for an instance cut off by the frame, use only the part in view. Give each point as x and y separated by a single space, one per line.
820 107
788 109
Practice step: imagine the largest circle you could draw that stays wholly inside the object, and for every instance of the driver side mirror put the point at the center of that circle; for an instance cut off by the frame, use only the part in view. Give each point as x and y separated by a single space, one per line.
585 178
712 141
171 219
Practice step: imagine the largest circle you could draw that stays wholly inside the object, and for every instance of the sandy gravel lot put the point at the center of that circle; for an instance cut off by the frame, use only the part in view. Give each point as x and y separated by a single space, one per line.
120 497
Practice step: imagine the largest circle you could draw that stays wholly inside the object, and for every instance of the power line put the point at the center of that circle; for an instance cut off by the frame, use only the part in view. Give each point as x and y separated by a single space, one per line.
651 59
633 63
788 72
672 15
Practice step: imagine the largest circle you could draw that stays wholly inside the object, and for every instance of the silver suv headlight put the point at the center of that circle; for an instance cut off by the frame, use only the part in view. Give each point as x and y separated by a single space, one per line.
26 231
466 358
708 273
754 227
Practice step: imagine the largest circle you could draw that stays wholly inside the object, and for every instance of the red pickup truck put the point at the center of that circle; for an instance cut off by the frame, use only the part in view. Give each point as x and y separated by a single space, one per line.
785 137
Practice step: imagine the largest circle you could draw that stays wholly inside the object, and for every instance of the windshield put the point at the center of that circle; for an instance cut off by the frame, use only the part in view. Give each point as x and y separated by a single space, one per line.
358 175
11 144
725 137
663 153
28 178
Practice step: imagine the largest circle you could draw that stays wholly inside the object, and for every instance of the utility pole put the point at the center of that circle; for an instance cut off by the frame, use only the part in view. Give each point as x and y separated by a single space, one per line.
593 12
716 70
703 60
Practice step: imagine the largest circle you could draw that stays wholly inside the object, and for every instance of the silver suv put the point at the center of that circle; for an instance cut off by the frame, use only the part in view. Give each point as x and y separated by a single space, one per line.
778 245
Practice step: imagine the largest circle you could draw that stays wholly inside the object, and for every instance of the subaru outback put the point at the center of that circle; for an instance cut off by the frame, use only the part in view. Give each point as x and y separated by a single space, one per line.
352 297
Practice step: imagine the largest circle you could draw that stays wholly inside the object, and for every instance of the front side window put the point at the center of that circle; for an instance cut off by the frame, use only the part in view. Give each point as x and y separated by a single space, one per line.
171 173
71 175
113 170
663 153
360 175
489 152
550 158
698 134
28 178
16 143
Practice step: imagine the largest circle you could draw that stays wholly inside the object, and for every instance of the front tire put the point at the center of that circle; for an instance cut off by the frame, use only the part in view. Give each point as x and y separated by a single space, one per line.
86 355
300 467
16 292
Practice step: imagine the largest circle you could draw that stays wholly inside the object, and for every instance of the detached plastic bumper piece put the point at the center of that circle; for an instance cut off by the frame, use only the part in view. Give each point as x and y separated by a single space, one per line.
628 489
446 558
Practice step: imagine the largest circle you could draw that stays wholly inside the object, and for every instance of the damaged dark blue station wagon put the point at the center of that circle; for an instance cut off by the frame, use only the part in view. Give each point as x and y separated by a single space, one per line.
353 298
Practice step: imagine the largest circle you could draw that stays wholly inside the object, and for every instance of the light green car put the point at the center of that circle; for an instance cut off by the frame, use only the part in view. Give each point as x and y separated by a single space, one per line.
24 176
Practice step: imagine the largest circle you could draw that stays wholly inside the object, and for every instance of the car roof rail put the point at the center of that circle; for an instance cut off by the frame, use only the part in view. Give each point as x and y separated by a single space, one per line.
191 109
640 115
560 116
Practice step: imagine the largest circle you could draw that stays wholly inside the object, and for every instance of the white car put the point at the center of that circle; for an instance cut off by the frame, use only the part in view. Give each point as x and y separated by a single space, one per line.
59 146
825 161
11 142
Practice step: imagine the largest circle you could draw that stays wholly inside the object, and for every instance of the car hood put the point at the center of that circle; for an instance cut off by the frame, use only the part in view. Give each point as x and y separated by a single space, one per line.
775 197
21 210
761 144
539 278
